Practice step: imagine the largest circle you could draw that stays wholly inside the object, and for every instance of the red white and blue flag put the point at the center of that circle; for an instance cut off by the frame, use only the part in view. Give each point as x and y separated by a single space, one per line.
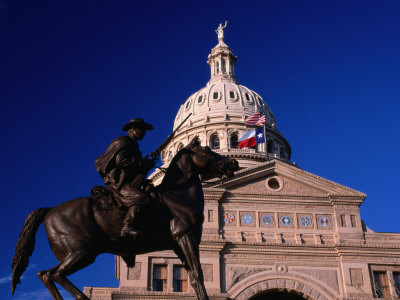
251 138
255 119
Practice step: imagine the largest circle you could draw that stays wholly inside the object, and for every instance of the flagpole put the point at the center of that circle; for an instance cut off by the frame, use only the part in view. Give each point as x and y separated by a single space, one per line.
265 132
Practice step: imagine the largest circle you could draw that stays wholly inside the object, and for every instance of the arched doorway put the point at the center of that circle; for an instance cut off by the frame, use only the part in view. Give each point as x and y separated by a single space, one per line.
277 295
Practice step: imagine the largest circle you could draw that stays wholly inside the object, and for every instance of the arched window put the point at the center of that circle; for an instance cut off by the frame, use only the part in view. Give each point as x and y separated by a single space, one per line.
282 153
270 146
217 66
234 141
223 66
169 157
214 141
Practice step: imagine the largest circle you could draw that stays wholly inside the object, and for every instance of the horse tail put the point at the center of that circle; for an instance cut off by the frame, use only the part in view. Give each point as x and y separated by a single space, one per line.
26 244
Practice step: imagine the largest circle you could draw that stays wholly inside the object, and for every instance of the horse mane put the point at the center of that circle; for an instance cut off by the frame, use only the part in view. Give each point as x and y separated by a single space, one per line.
173 167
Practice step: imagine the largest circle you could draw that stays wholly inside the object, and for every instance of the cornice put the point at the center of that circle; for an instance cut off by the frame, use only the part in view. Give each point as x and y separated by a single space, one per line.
288 248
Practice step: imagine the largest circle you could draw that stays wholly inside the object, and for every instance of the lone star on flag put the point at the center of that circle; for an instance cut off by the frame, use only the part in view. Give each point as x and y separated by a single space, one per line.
260 135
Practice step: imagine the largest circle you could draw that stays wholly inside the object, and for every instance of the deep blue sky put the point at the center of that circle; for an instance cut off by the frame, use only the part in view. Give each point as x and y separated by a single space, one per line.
73 72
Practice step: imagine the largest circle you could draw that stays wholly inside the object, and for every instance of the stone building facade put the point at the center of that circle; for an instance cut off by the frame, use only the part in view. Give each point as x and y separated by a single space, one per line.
273 231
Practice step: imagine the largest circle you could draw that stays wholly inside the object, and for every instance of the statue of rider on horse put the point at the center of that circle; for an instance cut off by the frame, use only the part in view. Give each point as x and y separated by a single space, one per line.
81 229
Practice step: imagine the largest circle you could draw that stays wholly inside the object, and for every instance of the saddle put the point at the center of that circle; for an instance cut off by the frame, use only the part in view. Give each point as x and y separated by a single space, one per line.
103 199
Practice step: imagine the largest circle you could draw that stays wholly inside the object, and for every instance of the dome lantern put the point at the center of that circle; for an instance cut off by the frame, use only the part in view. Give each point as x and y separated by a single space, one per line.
221 59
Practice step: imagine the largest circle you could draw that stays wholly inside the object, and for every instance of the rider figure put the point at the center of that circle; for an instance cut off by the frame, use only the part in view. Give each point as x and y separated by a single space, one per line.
124 170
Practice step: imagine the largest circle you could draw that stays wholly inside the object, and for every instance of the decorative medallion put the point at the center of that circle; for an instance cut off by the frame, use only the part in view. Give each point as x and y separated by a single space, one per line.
324 221
305 221
274 184
229 218
267 219
286 220
247 219
281 268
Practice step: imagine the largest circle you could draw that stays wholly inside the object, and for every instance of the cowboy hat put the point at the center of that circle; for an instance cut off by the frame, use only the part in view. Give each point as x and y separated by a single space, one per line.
137 123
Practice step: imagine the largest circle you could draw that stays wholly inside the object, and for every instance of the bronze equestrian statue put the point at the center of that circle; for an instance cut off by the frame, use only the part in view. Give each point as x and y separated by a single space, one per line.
81 229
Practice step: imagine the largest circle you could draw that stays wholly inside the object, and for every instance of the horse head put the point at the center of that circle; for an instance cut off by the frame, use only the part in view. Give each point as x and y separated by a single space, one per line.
207 161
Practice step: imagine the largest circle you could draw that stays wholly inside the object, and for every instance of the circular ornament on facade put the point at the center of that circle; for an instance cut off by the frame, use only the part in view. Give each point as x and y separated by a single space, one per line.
324 221
247 219
281 268
267 219
187 105
229 218
305 221
274 184
286 220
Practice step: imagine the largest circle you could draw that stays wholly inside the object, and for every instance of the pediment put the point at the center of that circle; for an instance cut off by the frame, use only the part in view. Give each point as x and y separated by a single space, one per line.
279 178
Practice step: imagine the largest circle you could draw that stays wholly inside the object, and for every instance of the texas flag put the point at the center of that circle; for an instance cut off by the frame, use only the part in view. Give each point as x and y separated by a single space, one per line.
251 138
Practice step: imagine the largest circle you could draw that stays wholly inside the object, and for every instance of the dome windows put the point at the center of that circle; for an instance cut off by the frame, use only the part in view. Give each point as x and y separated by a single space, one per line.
187 105
233 96
234 141
214 142
216 96
223 65
248 98
200 99
282 153
270 146
180 147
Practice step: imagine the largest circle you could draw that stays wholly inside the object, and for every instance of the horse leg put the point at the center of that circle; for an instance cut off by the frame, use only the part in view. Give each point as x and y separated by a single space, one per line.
45 277
70 264
188 252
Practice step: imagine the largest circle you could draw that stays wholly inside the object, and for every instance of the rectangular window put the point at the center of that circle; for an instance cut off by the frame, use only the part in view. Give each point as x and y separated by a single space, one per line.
232 94
343 220
381 285
353 221
215 95
396 278
160 278
247 97
180 282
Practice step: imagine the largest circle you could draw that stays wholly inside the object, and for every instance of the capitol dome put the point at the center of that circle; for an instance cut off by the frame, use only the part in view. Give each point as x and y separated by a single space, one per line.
218 113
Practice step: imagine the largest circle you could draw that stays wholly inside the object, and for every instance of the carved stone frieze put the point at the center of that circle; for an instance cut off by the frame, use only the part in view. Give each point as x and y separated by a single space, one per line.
330 277
236 274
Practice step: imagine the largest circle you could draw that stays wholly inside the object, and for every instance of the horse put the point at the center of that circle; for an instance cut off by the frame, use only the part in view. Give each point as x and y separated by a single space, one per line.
78 230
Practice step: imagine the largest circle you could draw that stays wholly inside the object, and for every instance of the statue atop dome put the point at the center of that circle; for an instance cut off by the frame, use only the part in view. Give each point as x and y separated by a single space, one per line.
220 31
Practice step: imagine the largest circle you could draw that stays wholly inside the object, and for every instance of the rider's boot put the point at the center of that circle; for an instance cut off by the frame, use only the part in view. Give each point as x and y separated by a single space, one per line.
129 228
